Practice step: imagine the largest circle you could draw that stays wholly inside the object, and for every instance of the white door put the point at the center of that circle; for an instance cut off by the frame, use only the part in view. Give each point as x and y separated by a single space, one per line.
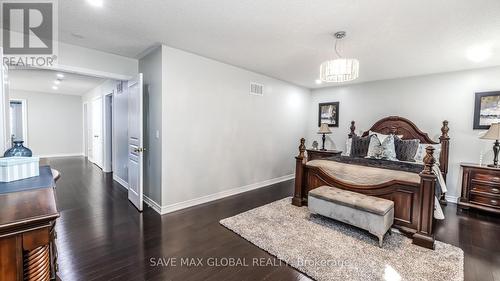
135 141
86 130
97 139
4 106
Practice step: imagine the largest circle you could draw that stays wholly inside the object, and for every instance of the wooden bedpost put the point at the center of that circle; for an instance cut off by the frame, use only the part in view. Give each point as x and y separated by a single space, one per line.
300 160
425 234
353 129
444 139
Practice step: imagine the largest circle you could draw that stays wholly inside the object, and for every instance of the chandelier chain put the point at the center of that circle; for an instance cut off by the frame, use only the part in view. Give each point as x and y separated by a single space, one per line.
336 49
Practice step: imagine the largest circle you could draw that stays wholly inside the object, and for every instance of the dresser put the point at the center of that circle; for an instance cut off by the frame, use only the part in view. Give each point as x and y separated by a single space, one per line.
314 154
480 188
27 234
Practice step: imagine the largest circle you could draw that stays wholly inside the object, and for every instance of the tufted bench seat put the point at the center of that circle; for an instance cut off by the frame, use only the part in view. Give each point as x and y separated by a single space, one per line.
376 215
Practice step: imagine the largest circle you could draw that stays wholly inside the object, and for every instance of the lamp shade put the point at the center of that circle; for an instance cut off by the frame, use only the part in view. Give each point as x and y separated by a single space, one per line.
493 132
339 70
324 129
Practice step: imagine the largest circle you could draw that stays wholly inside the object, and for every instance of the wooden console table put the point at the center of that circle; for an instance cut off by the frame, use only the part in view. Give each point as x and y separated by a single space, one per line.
27 234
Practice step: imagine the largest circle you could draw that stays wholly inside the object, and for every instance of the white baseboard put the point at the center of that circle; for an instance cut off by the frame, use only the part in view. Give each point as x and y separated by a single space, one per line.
451 199
119 180
62 155
151 203
219 195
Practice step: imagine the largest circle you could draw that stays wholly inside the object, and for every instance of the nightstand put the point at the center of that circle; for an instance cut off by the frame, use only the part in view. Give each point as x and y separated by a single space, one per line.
313 154
480 188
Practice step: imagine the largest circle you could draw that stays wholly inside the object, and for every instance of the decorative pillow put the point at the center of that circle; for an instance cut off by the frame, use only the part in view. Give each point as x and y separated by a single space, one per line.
359 146
419 156
348 145
382 137
382 149
374 149
406 149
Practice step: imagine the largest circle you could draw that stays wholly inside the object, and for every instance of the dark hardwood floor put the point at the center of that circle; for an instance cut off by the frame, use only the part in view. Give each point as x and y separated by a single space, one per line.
101 236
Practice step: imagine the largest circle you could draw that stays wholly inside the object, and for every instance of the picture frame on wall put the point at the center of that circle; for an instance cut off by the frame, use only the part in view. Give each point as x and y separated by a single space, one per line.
328 113
486 109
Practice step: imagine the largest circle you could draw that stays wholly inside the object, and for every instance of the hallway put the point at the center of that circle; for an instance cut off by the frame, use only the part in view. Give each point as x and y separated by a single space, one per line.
101 236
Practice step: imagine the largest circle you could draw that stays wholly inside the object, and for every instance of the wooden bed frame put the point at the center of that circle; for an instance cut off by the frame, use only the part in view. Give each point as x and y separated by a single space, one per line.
413 203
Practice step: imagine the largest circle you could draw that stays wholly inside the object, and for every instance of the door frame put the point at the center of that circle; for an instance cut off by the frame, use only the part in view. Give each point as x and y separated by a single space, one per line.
24 115
101 135
108 134
85 111
4 106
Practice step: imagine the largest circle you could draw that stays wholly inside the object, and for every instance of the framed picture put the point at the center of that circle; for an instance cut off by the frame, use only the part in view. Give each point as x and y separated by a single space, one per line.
486 109
328 113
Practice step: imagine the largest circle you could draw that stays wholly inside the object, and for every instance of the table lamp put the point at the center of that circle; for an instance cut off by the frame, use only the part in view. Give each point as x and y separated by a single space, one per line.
493 133
324 130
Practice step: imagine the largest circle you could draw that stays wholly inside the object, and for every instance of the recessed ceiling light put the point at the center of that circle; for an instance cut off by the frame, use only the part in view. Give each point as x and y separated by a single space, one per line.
318 81
60 75
55 88
96 3
57 82
479 53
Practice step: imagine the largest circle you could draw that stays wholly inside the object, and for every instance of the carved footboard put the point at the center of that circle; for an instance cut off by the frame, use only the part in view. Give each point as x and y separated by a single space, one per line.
425 231
413 202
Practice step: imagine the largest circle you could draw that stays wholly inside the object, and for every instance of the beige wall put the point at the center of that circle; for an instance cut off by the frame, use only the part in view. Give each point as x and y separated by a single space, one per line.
55 123
217 137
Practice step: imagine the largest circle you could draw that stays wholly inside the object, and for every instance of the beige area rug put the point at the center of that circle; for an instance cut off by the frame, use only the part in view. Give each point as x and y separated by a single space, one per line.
325 249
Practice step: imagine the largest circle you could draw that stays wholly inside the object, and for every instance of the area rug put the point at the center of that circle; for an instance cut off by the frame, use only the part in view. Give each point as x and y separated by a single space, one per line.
325 249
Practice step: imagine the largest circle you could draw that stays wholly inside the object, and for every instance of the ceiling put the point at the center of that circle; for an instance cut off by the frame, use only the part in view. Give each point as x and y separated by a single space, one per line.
41 80
288 39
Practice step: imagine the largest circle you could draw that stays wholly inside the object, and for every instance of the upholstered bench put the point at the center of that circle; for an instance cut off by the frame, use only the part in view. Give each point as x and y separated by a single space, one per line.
376 215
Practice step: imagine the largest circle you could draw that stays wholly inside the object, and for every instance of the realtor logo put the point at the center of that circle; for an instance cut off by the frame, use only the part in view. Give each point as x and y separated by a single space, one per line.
29 30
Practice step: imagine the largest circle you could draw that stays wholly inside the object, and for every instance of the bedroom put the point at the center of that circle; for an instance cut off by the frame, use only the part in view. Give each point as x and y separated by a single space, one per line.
229 90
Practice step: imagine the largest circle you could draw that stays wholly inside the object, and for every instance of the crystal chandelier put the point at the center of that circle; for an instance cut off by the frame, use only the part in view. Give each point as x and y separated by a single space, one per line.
339 69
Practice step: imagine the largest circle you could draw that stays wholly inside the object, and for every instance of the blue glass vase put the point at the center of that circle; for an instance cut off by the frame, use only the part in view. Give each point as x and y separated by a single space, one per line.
18 149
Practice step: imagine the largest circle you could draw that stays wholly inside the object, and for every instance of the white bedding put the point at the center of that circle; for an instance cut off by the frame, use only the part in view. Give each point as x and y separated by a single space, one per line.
438 211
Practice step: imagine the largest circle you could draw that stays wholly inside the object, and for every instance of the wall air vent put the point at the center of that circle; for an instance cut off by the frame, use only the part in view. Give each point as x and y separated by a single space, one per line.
256 89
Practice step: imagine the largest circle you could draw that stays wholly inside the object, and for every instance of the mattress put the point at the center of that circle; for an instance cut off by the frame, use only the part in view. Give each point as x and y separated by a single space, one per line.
363 175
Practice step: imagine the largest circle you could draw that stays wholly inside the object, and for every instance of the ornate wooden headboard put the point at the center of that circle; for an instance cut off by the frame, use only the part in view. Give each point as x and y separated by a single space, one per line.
402 126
